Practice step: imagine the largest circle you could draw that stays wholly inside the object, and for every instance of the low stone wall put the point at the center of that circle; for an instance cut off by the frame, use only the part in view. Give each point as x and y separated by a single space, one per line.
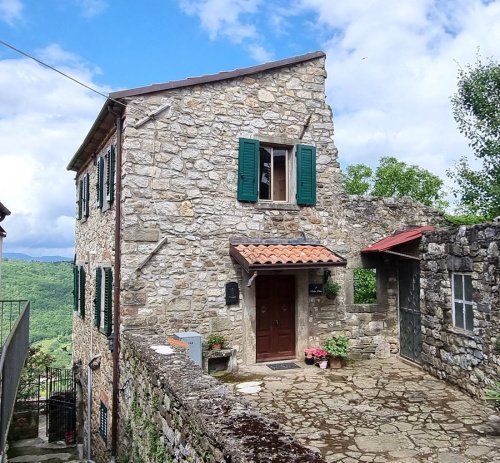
465 358
171 412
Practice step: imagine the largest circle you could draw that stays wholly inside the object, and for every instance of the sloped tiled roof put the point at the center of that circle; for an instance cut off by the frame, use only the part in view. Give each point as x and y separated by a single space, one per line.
280 256
398 238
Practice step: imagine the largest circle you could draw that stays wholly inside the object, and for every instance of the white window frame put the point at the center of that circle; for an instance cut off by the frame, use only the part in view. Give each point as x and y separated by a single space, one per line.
462 301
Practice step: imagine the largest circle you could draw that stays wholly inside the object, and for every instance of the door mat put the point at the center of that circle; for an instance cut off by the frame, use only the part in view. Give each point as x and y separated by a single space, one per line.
283 366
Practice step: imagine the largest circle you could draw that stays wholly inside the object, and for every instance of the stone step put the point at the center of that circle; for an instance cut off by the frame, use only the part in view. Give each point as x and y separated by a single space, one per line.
40 448
47 458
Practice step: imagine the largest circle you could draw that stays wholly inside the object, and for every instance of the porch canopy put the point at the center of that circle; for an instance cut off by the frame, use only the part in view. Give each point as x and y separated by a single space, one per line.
284 256
389 242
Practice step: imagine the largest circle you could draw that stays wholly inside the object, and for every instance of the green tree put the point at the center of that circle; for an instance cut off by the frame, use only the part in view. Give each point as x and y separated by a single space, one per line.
476 109
394 178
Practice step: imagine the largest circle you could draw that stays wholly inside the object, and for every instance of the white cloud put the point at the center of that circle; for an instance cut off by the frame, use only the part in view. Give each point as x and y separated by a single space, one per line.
91 8
44 119
11 11
392 67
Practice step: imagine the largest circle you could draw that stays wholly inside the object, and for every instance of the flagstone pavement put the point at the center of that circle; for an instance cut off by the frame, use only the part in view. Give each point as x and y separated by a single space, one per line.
374 411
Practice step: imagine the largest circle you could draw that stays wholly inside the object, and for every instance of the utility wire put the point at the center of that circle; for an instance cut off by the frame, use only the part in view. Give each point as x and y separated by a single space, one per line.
60 72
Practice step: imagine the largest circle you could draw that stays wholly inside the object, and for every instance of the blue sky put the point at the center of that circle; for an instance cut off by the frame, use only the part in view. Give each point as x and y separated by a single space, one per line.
392 67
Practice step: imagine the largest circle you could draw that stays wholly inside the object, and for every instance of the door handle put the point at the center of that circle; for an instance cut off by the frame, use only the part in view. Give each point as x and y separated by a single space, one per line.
276 322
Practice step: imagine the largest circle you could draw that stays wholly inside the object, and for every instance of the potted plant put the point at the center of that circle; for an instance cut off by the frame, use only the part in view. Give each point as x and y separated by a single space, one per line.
337 348
321 358
309 354
331 289
215 341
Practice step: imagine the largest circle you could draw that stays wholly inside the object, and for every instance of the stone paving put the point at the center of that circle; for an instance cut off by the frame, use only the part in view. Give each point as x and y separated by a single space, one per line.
375 411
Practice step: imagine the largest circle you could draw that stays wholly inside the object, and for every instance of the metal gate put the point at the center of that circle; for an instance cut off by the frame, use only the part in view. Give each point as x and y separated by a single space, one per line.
410 334
61 405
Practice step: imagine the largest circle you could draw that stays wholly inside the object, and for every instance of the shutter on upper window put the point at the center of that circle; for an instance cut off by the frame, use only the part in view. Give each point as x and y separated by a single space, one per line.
97 299
79 200
100 182
306 175
108 298
110 169
86 184
248 165
81 291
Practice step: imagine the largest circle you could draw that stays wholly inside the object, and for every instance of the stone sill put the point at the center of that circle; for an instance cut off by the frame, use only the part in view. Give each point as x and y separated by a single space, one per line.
366 308
464 334
277 207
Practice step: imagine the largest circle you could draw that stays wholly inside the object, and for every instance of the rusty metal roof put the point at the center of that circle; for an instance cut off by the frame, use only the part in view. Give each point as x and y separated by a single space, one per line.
105 120
284 256
398 238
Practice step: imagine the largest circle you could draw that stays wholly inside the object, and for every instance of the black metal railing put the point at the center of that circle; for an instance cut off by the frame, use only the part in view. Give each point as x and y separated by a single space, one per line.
15 347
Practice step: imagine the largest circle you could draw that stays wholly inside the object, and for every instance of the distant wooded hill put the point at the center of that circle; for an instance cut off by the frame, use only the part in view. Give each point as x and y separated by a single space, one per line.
21 256
48 286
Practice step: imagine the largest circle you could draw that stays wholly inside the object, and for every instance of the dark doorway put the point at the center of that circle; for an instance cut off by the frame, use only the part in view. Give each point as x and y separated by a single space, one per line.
275 317
410 335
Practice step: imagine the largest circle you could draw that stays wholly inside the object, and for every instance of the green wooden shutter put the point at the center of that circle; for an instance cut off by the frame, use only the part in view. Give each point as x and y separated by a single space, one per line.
75 287
81 292
97 299
108 301
306 175
248 170
110 183
86 185
79 200
100 182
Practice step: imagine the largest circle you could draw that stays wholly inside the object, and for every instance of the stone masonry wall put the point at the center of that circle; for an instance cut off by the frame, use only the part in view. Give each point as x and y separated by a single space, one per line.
94 247
465 358
172 412
179 185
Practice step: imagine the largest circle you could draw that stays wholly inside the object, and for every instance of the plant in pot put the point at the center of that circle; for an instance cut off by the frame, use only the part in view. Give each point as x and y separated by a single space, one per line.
337 348
331 289
309 355
215 341
321 358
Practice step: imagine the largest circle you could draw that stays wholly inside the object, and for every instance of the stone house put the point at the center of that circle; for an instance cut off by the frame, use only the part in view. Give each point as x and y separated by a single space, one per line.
214 204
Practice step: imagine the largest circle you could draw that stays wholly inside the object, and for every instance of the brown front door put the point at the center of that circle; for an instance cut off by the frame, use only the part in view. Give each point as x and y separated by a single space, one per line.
275 317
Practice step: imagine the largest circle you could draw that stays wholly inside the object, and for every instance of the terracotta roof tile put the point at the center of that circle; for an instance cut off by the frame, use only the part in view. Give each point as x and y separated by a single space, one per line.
253 256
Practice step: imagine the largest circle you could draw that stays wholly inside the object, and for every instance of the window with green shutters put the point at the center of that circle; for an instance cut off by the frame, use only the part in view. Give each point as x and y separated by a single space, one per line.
265 172
103 301
83 210
79 289
105 183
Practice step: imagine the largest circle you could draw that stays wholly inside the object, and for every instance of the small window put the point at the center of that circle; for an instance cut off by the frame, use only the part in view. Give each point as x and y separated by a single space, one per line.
273 173
103 422
463 316
364 286
103 300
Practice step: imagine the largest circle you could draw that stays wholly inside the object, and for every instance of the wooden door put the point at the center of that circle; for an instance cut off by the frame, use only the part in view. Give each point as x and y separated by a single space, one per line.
275 317
410 335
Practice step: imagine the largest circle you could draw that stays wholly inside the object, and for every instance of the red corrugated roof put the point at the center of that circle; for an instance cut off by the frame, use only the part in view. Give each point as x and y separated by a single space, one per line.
398 238
262 256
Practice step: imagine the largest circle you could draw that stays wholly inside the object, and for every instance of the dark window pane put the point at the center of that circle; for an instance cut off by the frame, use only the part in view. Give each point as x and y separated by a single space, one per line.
468 287
265 173
469 317
459 315
279 175
457 287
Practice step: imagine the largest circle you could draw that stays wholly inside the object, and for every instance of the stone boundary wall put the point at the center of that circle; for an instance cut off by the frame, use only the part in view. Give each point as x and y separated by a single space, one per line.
465 358
171 412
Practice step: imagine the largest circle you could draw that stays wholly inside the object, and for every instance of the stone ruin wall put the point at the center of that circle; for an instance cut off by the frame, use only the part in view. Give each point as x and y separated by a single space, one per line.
171 411
467 359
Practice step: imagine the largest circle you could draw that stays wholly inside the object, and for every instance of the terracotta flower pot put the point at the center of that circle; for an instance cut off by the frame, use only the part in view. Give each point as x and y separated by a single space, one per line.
323 364
336 362
216 347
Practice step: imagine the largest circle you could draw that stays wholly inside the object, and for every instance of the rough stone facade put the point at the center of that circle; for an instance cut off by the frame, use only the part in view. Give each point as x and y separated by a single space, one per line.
171 411
180 210
467 358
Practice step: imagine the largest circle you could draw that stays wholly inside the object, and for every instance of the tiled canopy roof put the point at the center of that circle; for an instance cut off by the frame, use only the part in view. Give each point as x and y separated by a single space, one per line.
398 238
284 256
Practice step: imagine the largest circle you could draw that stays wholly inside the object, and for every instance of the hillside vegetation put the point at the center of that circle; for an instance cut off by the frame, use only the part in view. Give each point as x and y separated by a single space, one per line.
48 286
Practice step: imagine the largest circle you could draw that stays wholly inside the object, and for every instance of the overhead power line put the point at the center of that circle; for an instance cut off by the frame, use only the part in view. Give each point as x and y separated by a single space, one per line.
12 47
